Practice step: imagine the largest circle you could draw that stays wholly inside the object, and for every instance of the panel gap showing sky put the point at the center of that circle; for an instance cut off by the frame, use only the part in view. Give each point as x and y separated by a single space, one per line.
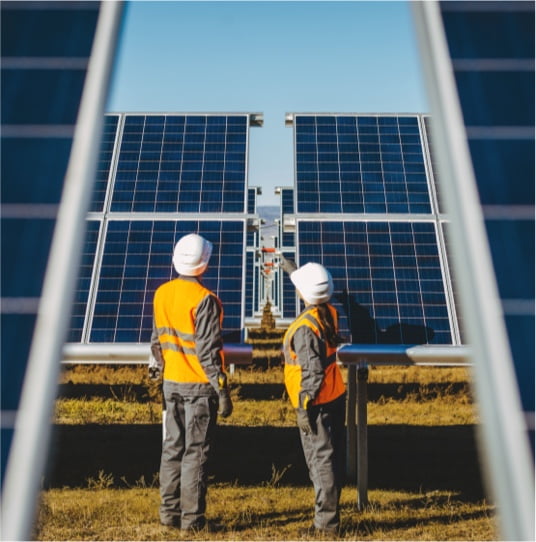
182 163
137 259
389 286
360 164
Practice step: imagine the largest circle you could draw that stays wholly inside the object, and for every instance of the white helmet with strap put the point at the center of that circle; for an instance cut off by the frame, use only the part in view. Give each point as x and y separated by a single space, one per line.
191 255
314 283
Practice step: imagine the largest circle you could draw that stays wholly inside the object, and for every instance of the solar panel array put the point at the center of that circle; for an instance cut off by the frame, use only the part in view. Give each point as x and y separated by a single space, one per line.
494 71
365 208
45 51
160 177
360 164
181 163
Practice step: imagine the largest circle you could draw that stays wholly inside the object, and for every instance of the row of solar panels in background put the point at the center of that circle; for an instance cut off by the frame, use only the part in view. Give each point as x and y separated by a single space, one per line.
173 163
125 261
361 164
365 205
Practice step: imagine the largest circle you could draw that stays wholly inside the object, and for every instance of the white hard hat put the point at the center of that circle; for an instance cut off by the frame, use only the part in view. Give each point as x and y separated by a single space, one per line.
314 283
191 255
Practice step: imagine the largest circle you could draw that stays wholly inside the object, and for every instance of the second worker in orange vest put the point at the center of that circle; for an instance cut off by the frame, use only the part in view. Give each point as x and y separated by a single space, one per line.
316 390
187 343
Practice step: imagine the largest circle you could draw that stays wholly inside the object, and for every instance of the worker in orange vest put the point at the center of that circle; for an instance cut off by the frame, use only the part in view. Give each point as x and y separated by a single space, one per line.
187 344
316 390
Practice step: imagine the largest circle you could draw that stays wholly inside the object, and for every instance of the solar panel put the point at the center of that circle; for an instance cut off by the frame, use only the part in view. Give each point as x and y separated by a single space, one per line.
45 50
385 249
287 208
104 167
137 258
495 80
360 164
182 163
87 265
389 284
151 167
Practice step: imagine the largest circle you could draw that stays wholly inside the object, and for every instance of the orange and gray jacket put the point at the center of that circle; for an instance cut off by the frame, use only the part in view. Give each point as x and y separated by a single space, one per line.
186 337
310 362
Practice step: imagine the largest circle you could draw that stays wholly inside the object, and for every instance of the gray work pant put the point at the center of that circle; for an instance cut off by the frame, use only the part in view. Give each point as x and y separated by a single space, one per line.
190 421
324 451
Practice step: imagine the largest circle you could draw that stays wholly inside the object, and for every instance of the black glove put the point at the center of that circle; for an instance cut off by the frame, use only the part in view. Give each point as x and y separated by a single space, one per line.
154 373
304 423
226 405
287 265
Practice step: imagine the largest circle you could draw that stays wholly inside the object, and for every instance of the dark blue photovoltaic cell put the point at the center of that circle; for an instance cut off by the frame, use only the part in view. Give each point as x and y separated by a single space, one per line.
495 160
48 29
433 163
250 293
105 161
360 164
23 104
486 97
388 280
496 92
287 201
24 261
39 180
137 259
288 309
252 200
78 312
287 208
182 163
445 226
477 31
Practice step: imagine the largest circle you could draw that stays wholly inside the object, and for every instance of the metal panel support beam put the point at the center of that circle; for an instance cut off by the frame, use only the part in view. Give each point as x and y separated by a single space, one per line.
132 353
357 357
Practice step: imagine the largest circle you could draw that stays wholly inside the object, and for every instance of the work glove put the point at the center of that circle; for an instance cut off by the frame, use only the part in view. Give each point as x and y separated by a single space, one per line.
154 368
288 266
304 423
225 403
302 414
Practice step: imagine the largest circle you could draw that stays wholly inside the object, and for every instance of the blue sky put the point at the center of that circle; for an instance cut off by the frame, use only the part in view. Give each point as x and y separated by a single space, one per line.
270 57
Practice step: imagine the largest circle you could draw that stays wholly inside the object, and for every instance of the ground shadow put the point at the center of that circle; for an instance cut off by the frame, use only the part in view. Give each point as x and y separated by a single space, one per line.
401 457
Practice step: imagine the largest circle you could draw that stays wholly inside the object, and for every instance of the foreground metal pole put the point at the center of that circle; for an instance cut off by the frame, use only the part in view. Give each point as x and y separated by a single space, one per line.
32 427
362 437
351 431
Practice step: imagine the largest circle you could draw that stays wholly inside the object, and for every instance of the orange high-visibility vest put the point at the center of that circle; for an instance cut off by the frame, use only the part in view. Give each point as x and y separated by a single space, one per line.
332 385
175 306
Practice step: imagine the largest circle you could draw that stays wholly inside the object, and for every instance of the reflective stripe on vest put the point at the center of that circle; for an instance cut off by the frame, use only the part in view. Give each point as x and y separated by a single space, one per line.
175 307
332 384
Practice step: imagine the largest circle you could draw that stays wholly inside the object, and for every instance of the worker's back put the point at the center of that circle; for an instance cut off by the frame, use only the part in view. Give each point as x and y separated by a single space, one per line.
175 310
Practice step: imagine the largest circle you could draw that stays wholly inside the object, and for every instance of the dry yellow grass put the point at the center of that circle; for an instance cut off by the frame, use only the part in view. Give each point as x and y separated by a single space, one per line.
405 403
262 513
